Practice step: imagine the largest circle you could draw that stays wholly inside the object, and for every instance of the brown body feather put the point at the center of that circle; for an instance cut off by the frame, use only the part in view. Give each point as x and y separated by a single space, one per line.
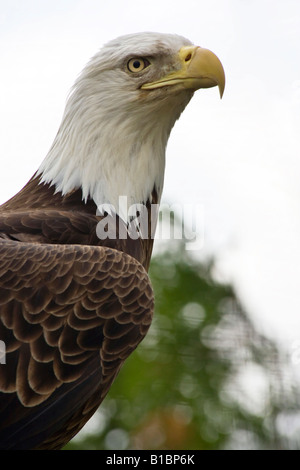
39 214
72 309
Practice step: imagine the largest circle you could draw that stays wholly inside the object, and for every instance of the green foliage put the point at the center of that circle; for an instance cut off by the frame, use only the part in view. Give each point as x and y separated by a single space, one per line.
203 378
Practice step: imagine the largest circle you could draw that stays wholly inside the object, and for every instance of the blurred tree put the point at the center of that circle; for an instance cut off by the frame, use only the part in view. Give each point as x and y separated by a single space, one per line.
203 378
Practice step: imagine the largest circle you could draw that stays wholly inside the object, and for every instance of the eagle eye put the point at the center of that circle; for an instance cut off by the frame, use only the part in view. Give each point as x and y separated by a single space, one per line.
137 64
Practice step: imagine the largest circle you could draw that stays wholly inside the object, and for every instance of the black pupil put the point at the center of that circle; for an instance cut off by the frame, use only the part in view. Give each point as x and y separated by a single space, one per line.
136 64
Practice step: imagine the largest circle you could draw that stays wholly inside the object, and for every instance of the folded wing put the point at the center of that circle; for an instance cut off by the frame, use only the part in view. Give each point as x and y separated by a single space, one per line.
69 317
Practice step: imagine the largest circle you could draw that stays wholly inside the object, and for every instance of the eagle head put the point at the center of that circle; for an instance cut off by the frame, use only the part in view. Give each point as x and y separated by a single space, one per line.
120 113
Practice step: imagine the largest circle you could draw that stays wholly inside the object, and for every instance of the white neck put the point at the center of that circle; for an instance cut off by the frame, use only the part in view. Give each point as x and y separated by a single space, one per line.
109 143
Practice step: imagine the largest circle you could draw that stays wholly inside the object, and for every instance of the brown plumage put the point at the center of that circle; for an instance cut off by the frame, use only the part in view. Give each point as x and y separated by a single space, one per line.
73 306
38 214
71 313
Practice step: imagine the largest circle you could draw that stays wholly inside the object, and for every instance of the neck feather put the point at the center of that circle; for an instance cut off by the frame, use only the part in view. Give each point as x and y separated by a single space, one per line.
110 145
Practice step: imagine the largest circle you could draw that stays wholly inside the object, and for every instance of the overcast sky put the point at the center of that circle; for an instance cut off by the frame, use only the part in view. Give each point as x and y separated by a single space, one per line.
238 158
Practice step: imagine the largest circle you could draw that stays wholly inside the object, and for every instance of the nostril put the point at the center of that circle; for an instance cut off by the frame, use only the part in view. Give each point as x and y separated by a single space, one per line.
188 57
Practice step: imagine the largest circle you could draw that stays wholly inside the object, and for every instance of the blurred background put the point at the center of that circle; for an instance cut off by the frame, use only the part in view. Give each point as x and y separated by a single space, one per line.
203 378
220 365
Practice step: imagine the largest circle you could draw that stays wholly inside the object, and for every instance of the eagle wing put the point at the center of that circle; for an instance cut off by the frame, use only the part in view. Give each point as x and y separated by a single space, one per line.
69 317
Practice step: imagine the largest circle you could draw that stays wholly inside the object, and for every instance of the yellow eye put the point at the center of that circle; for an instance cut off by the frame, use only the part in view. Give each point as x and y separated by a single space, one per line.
137 65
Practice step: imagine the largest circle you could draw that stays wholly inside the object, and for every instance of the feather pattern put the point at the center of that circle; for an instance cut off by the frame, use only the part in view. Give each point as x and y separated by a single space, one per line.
71 316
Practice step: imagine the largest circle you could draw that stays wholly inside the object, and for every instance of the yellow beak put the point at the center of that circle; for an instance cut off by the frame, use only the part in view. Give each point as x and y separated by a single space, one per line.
200 68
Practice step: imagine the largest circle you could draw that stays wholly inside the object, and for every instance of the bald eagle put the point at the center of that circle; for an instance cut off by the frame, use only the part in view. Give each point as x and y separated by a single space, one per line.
74 304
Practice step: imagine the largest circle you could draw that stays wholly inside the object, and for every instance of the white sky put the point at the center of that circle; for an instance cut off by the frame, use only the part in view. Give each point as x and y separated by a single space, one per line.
239 158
